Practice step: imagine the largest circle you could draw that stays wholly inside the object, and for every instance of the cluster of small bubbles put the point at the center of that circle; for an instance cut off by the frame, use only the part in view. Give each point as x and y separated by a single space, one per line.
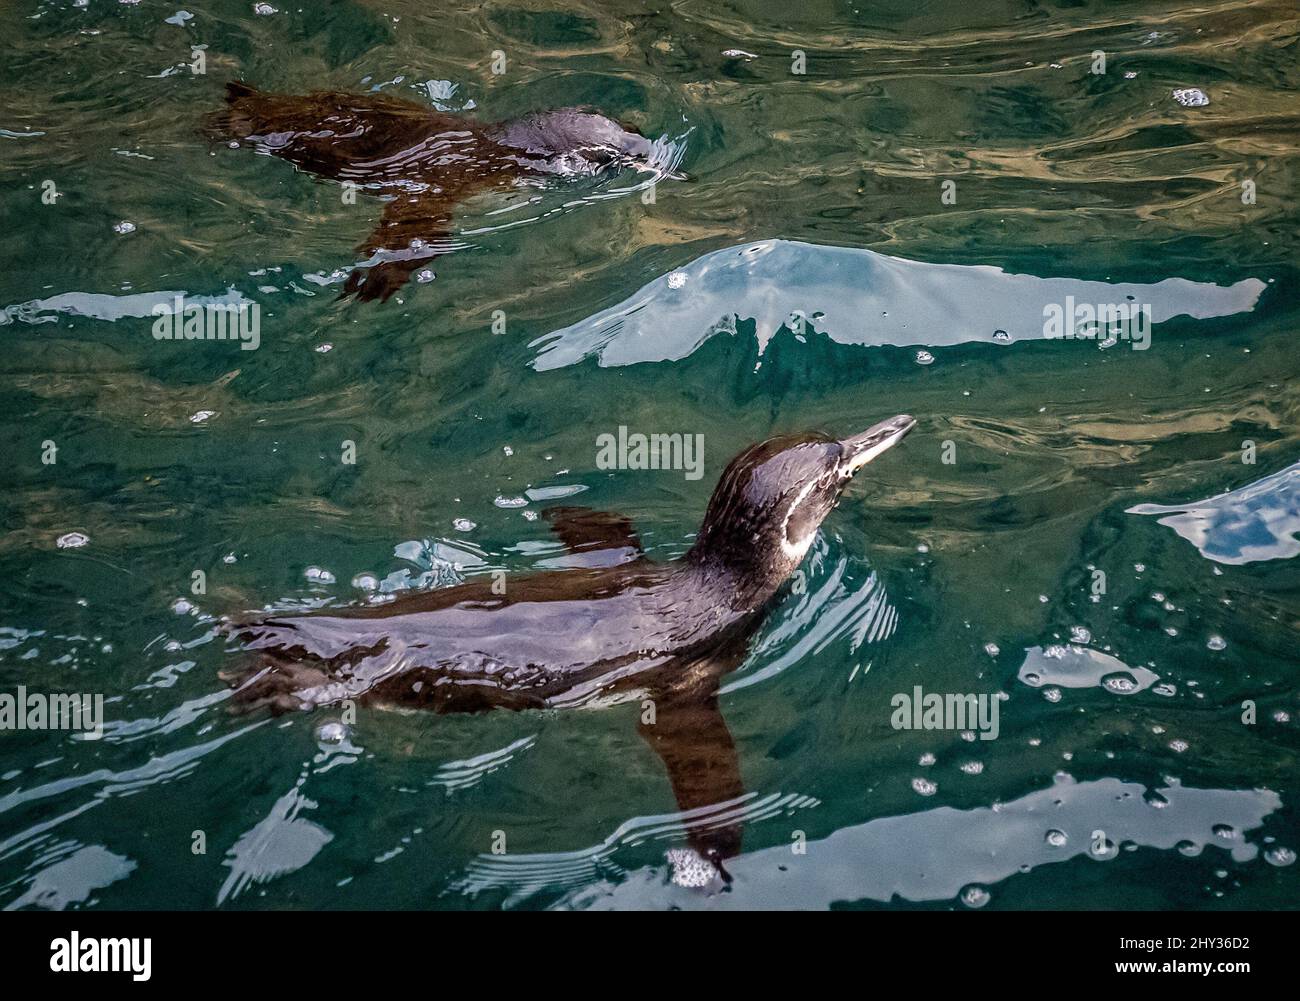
1079 635
1191 97
968 736
463 525
323 349
991 649
1140 567
690 869
508 450
975 896
1055 838
1281 716
73 540
182 606
1225 831
1052 694
124 227
1120 684
1279 856
926 760
972 767
1035 741
318 574
510 502
1178 745
924 358
1215 642
677 279
530 515
925 787
365 582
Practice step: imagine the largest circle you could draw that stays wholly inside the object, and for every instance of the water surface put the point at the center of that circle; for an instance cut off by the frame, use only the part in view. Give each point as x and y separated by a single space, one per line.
798 281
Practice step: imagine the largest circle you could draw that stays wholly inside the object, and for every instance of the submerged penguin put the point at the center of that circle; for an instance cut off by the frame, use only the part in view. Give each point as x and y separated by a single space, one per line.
622 628
424 160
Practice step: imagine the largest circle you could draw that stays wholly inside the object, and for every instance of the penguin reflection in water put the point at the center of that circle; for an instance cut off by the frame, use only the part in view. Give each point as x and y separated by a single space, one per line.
424 161
620 628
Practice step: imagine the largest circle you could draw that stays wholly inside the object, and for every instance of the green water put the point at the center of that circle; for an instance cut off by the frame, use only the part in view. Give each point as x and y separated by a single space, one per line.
967 560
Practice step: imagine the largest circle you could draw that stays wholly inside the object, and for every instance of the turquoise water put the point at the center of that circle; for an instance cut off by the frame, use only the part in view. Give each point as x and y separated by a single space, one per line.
811 275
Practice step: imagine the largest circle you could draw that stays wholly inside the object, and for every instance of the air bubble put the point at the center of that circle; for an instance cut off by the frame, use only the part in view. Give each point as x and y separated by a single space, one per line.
332 733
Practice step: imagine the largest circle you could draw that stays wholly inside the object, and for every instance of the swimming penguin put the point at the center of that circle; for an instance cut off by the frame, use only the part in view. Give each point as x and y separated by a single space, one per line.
621 628
424 160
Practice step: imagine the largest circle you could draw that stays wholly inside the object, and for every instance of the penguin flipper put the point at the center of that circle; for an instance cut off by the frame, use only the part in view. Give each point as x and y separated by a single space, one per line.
585 531
415 228
691 738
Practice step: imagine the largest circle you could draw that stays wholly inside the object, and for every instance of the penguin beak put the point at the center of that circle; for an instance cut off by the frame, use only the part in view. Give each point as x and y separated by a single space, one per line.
862 448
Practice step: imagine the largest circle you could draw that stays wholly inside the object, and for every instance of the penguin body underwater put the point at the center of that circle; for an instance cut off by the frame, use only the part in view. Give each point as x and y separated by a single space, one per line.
425 161
624 628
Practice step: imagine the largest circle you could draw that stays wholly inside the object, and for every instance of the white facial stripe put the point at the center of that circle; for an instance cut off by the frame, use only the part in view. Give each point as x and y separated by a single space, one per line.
797 550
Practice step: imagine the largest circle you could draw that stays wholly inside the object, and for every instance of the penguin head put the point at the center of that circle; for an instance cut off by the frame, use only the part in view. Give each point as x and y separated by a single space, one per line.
772 497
